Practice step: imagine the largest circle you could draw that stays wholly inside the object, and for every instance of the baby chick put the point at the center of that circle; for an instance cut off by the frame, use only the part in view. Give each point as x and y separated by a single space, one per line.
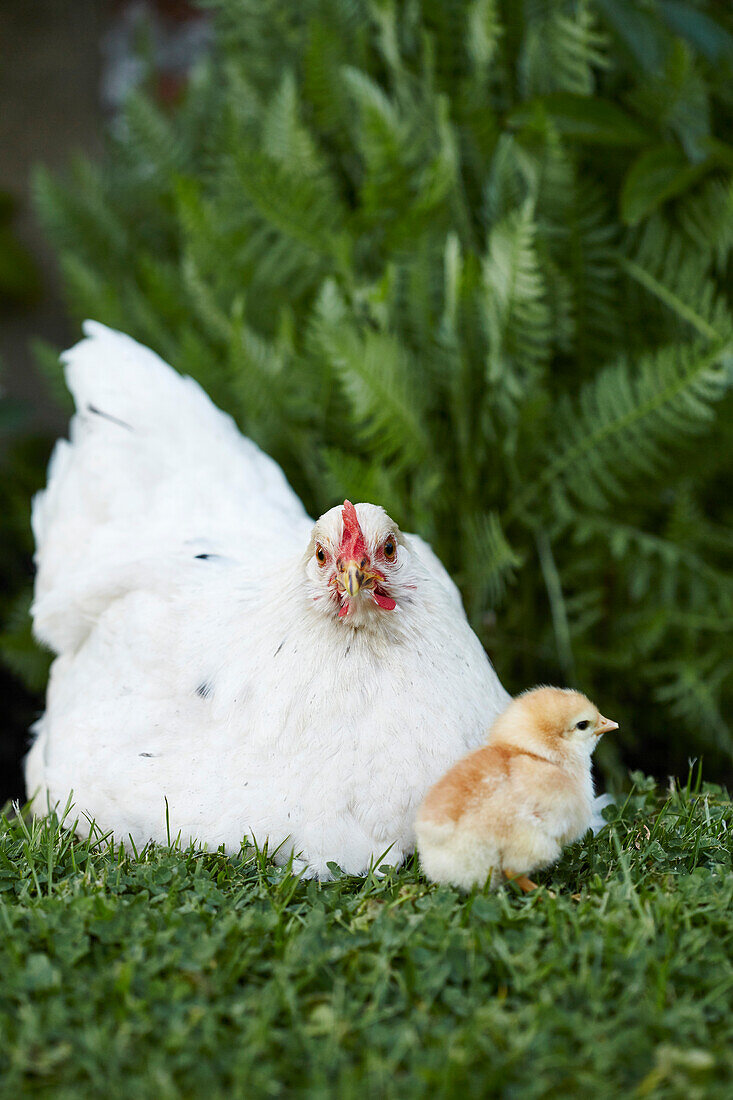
508 808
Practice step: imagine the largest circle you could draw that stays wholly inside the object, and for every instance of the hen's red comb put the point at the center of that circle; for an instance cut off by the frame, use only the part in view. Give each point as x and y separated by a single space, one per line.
352 545
350 518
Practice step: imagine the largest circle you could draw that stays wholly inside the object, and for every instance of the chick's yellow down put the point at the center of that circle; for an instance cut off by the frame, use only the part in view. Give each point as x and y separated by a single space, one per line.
508 808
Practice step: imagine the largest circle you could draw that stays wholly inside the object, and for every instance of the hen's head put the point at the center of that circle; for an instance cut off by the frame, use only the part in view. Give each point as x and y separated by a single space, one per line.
356 563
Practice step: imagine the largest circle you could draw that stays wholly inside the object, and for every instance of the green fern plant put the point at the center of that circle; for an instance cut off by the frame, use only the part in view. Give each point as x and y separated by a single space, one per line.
472 260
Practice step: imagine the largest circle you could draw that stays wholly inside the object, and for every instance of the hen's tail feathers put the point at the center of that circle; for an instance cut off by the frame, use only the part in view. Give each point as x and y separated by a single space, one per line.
151 467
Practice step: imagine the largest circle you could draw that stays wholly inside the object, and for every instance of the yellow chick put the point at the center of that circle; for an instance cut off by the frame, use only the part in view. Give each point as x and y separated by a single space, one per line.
507 809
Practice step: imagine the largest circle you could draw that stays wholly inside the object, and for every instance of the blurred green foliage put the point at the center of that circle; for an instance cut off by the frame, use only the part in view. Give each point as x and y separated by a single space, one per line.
19 459
21 463
469 259
19 280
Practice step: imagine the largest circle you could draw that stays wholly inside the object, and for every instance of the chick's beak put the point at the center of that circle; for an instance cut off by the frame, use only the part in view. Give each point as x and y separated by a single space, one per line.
605 725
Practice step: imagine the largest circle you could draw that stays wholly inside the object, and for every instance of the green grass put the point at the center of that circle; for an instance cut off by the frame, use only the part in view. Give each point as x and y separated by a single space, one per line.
184 973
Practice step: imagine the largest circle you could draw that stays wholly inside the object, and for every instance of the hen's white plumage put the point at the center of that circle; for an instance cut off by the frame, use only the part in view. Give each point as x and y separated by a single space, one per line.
202 659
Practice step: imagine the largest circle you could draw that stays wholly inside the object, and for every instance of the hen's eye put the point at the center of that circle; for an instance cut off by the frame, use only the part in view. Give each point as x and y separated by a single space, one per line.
582 725
390 548
320 554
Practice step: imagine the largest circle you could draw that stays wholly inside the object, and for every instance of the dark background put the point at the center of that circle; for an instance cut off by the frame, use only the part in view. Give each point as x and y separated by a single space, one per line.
64 66
50 63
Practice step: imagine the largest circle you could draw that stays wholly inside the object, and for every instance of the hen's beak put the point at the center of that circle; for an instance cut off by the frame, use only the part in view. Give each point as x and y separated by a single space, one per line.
605 726
353 578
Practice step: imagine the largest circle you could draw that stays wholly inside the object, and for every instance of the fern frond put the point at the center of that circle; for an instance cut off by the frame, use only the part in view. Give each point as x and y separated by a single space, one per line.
499 561
626 422
562 49
87 296
285 138
590 251
484 30
678 279
383 140
707 219
155 146
558 606
382 389
676 98
350 476
681 573
323 57
693 691
301 209
267 396
517 316
203 303
80 212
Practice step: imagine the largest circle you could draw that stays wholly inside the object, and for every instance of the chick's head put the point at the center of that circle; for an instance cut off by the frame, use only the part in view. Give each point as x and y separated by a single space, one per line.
552 721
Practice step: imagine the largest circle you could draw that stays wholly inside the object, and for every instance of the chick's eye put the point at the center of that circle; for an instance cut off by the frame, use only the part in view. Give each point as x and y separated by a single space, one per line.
320 554
582 725
390 548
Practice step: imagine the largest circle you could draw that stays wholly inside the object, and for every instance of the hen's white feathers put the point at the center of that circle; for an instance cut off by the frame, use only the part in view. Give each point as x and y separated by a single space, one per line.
195 663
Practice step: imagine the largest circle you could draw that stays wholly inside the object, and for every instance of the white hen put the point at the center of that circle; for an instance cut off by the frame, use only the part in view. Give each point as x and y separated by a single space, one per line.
268 678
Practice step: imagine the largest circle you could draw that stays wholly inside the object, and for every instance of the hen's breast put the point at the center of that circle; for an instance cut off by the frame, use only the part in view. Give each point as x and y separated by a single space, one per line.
245 716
